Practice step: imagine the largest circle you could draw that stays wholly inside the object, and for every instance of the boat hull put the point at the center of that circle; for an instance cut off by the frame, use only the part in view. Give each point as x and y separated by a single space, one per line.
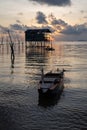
50 98
51 93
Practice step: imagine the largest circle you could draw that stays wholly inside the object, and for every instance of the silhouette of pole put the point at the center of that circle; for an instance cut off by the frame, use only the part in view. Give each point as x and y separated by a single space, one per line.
11 46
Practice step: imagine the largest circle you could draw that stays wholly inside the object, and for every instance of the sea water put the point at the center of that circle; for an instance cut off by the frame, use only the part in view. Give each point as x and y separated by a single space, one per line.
19 100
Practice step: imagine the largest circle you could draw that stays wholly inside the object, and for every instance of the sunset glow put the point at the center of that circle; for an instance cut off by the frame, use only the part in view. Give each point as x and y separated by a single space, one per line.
62 18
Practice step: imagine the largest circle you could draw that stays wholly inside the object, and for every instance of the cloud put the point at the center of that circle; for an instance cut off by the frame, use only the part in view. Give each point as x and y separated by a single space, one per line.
58 22
48 27
61 30
16 27
82 11
20 27
59 26
85 17
75 30
53 2
18 21
41 18
3 29
20 13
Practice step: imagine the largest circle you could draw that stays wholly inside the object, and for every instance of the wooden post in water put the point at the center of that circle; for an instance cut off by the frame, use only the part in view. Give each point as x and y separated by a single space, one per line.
12 49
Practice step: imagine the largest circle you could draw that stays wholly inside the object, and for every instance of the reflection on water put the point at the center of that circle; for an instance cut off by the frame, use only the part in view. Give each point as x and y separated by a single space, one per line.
20 105
48 102
12 64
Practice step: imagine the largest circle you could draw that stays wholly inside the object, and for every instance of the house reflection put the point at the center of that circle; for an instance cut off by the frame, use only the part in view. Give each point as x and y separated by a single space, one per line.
37 55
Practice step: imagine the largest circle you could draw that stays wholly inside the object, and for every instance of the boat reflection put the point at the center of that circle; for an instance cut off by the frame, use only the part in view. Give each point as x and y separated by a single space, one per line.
48 102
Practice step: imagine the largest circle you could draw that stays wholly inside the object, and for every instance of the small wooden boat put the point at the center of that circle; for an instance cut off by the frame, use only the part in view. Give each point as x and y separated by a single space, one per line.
49 48
51 84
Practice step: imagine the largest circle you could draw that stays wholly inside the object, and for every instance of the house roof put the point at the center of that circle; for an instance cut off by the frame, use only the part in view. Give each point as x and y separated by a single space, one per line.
38 31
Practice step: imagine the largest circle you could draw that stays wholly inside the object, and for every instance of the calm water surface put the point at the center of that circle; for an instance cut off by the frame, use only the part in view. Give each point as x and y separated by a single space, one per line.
19 102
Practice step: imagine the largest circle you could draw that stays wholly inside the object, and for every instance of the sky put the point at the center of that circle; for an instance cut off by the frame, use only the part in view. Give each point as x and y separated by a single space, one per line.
67 19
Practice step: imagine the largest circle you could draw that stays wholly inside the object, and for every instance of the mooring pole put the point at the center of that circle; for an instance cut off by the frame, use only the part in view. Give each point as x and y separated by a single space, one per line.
12 47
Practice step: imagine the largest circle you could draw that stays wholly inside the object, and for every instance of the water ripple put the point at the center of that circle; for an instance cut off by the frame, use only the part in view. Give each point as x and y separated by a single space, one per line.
20 106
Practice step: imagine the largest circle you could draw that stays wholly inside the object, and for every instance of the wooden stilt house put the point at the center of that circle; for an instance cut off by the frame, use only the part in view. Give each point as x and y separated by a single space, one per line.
37 37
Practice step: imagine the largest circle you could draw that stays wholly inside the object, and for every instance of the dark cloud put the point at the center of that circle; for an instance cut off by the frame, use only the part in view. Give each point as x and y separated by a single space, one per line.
70 30
85 17
53 2
20 27
48 27
41 18
20 13
58 22
18 21
82 11
3 29
75 30
59 25
60 28
16 27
